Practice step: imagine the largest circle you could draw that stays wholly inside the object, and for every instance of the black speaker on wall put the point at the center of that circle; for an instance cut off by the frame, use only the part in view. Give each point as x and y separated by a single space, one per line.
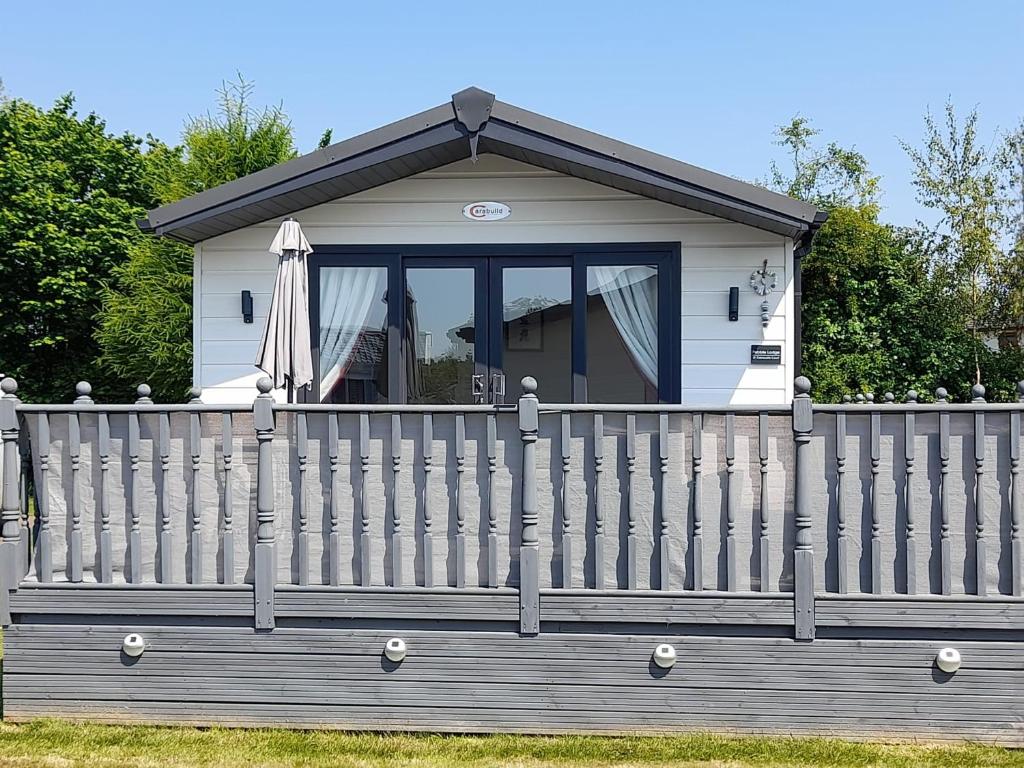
734 304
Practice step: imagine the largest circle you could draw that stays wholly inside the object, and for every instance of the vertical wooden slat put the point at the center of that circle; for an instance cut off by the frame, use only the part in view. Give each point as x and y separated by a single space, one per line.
460 501
334 536
730 502
663 536
566 446
135 505
909 435
302 457
365 552
396 500
876 520
166 537
44 544
227 539
428 517
978 396
598 501
492 509
75 455
765 539
803 554
842 544
1016 546
945 545
631 564
697 456
529 548
105 554
195 442
265 555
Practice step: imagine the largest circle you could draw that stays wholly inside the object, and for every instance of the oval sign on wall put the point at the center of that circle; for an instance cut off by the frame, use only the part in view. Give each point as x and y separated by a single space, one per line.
486 211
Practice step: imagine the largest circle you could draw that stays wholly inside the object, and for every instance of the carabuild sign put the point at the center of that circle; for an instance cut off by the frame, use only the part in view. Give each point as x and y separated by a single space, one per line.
486 211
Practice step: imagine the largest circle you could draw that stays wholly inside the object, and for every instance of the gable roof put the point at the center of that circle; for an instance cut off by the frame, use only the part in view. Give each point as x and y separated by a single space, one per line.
472 123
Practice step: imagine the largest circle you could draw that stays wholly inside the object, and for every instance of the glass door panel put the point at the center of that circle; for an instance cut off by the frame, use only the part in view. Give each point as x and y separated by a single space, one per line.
441 343
536 330
622 333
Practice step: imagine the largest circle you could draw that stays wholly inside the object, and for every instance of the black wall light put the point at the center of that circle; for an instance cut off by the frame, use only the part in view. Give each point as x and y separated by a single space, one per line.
246 306
734 304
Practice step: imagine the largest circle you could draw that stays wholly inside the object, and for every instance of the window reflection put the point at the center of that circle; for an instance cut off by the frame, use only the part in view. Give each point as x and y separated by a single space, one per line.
353 334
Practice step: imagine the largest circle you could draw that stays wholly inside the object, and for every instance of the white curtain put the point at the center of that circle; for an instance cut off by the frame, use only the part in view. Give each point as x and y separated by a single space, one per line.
631 295
348 295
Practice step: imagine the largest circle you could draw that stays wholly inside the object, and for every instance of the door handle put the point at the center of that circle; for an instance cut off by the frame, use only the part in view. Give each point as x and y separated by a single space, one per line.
497 388
479 389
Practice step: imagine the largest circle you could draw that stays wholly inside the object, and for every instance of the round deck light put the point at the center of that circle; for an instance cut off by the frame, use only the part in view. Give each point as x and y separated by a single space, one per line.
948 660
665 656
395 649
133 645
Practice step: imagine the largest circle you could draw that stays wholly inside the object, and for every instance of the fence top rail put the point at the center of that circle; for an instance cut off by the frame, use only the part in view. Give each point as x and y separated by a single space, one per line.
883 407
391 408
780 410
133 408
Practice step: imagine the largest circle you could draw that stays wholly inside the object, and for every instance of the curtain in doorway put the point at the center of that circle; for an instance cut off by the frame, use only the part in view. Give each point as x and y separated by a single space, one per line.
348 297
631 295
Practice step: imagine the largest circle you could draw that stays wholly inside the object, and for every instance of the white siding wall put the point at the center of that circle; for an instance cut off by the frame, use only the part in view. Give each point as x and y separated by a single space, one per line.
546 207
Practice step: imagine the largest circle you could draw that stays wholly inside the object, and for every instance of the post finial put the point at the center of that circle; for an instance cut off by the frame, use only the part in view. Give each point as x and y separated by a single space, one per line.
1020 390
83 389
870 397
802 386
9 386
911 396
941 394
978 393
889 398
143 391
860 398
264 385
529 385
195 395
847 399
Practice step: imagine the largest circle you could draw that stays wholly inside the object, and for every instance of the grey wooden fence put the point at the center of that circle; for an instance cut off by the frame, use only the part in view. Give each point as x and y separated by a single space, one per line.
802 502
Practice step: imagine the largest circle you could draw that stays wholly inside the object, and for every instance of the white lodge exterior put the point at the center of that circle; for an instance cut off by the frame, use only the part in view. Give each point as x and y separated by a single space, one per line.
576 218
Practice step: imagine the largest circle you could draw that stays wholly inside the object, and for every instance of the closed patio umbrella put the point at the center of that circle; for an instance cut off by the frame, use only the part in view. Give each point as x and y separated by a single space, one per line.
284 353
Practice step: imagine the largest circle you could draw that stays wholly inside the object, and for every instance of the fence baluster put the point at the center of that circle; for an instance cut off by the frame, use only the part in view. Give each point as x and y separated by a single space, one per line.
529 552
105 554
697 454
598 505
228 536
166 537
730 503
663 536
134 446
978 396
24 479
396 501
764 545
82 389
945 546
428 521
302 457
1016 547
334 536
365 553
195 442
492 509
909 435
631 564
566 444
842 544
265 559
44 543
803 554
460 501
876 519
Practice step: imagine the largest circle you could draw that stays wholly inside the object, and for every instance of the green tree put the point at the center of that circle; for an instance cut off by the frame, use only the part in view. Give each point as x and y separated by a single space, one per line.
69 195
145 328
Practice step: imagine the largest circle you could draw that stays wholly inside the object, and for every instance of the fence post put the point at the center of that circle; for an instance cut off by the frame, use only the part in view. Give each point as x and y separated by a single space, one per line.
10 499
266 565
803 555
529 550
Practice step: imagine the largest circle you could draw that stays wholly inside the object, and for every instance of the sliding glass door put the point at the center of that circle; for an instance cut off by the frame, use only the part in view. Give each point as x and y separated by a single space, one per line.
590 323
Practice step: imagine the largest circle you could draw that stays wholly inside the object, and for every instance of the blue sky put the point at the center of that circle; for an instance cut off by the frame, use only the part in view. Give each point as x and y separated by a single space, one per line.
706 83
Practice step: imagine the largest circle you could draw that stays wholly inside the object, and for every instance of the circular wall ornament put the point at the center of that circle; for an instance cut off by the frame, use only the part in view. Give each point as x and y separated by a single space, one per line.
762 281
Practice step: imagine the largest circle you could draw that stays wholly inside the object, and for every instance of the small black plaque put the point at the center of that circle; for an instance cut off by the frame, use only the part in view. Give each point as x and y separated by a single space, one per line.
765 354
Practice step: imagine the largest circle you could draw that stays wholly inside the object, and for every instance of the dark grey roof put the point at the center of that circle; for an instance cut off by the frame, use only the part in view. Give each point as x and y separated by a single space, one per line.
474 122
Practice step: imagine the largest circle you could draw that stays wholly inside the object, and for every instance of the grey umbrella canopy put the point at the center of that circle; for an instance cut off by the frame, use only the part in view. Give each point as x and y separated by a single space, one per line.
285 354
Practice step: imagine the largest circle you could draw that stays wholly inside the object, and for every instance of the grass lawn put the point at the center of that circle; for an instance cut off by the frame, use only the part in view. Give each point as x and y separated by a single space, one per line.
56 744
